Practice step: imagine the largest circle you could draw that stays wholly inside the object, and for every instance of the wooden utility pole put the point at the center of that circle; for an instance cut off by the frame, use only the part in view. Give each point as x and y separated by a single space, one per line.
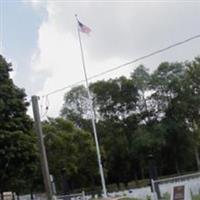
43 157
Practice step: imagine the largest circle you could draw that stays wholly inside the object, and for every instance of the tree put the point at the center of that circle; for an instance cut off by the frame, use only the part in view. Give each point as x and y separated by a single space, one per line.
146 114
141 79
192 89
176 100
149 140
165 84
76 107
18 152
116 147
115 98
115 102
187 105
71 154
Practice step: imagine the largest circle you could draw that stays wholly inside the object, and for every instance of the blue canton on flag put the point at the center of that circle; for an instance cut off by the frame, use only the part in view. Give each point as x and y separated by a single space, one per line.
83 28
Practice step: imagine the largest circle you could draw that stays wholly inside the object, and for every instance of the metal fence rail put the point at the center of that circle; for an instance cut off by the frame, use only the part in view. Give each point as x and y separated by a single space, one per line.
77 196
178 178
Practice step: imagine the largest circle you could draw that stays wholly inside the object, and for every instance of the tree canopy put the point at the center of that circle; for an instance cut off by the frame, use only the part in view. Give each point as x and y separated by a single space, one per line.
18 153
147 113
144 114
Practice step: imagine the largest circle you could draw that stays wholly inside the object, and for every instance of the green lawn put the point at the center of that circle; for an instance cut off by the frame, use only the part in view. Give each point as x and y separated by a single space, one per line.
196 197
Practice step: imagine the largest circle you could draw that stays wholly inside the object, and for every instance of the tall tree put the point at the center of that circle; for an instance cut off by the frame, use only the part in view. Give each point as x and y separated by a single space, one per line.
187 105
115 102
141 79
71 154
193 114
165 83
145 114
115 98
76 107
17 143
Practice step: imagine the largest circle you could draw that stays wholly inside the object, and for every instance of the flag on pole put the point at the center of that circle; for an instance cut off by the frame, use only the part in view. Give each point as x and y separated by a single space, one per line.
83 28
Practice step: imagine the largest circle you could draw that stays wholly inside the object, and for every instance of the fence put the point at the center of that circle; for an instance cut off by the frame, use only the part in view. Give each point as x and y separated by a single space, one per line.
78 196
191 181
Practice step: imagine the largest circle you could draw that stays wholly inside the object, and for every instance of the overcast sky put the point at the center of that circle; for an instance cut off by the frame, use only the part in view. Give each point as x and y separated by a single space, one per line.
40 38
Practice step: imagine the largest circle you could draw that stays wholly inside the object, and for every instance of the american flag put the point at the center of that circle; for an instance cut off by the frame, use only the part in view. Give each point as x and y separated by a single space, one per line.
83 28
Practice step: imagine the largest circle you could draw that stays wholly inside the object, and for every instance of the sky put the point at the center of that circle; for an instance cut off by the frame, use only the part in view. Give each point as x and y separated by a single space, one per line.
40 38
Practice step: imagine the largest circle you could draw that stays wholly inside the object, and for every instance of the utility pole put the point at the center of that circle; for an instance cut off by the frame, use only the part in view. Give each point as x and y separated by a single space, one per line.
43 157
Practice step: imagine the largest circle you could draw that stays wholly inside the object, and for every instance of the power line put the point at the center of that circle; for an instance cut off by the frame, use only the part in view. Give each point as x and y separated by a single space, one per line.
64 88
125 64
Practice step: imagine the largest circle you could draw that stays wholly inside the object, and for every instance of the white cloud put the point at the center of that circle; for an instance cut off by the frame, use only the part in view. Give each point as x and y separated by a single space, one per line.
35 3
59 54
120 32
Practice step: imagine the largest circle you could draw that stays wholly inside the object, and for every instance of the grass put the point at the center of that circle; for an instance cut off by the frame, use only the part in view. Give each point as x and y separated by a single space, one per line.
196 197
165 197
126 198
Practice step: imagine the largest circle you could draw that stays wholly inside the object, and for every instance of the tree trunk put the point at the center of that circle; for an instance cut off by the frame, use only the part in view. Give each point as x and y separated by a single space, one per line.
196 152
142 170
146 107
126 185
118 185
92 181
32 195
177 166
136 178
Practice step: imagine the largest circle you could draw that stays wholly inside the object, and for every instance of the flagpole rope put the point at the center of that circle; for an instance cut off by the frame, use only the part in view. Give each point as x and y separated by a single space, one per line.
125 64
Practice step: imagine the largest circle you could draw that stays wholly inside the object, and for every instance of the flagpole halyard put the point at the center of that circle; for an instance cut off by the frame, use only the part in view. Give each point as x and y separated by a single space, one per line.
93 115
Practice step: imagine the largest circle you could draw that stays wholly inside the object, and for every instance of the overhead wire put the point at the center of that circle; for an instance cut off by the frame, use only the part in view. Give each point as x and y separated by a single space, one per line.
125 64
113 69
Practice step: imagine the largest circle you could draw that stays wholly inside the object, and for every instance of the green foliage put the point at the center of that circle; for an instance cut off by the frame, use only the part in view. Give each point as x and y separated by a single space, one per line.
197 197
76 107
114 98
126 198
146 114
75 102
18 153
72 150
166 196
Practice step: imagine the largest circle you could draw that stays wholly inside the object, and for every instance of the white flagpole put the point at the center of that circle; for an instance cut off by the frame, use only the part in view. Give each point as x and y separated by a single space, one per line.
93 119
